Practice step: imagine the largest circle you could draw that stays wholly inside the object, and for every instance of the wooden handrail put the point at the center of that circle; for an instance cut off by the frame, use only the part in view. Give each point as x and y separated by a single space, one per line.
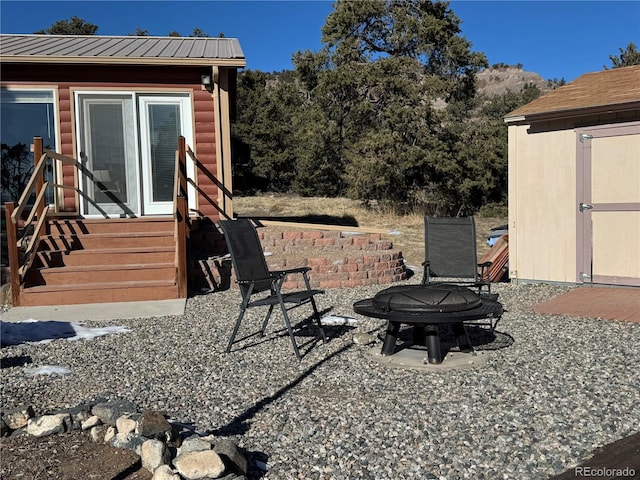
30 251
39 201
37 213
216 182
209 200
22 203
58 156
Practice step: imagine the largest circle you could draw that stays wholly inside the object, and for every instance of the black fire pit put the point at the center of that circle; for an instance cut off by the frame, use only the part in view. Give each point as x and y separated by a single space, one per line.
426 308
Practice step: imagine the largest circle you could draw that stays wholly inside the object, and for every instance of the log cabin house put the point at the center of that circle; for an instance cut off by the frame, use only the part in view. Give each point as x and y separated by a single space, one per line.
131 146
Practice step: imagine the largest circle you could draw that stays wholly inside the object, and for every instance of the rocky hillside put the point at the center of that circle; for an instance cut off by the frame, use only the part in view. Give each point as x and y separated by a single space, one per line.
496 81
491 81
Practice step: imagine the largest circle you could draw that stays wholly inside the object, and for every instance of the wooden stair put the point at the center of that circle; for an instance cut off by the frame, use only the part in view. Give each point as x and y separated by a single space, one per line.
103 260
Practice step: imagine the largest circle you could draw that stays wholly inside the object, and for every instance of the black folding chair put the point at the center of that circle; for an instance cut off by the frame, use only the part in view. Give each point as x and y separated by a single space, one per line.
451 256
261 287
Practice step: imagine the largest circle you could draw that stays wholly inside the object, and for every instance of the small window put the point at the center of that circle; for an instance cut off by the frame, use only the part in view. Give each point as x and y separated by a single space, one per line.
24 114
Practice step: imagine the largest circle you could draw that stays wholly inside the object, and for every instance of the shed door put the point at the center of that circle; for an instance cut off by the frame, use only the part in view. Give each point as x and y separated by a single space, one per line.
608 193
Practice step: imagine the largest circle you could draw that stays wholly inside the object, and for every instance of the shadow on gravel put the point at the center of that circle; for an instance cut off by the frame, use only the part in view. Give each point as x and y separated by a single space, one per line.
305 329
239 425
481 338
11 362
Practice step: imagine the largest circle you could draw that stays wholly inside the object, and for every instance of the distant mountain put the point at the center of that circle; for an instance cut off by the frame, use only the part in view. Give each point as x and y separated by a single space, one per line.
491 81
496 81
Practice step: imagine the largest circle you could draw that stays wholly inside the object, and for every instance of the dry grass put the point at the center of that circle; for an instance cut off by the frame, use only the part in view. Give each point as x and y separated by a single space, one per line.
352 213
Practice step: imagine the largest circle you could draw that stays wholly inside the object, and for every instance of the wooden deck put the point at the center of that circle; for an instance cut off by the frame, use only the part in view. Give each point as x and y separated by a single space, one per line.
621 304
616 303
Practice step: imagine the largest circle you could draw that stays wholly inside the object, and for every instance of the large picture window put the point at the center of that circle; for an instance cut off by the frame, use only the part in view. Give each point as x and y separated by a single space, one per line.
24 114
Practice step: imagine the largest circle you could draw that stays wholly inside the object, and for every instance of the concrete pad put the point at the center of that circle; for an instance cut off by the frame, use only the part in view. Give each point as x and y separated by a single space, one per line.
416 358
98 311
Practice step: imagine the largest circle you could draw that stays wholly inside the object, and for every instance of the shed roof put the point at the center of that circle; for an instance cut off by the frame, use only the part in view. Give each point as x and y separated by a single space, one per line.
609 90
95 49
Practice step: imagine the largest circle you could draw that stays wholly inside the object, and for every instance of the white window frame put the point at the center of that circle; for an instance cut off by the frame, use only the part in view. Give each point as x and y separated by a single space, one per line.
148 205
57 199
140 98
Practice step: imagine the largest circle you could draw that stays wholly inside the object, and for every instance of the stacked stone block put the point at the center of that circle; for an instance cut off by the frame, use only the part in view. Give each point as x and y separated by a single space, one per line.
337 259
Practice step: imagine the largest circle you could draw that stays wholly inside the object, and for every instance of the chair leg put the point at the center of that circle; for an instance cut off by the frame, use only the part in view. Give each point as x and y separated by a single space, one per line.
266 320
236 328
289 329
316 315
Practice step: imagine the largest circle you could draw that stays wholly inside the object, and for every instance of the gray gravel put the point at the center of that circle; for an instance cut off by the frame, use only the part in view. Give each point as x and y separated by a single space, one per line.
559 388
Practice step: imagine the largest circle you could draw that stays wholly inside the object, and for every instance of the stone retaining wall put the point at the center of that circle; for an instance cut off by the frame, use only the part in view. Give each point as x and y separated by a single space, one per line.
338 259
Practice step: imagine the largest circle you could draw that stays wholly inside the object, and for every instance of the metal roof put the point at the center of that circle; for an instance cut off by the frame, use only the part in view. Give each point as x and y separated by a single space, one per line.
609 90
145 50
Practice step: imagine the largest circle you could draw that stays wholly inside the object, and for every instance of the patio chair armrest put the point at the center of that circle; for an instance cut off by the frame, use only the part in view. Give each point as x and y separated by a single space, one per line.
485 269
291 270
301 270
270 278
485 275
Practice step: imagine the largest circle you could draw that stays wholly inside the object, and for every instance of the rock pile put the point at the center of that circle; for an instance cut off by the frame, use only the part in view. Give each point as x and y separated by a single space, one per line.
169 451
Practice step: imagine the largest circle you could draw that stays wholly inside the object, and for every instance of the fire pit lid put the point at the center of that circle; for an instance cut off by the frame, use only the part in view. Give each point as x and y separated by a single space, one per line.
422 298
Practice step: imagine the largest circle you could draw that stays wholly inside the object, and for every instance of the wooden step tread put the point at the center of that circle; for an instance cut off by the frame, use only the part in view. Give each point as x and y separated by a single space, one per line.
161 233
91 251
91 268
166 219
99 286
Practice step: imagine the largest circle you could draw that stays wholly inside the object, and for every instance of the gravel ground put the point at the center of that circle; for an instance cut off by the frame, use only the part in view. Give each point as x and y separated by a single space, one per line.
556 389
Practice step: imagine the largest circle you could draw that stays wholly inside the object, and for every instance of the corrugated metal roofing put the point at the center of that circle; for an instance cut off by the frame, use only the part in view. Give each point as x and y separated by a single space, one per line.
613 88
103 49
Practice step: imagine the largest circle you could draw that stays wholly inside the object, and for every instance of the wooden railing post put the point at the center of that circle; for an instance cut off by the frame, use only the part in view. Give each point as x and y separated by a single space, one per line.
182 166
182 212
38 150
181 247
12 248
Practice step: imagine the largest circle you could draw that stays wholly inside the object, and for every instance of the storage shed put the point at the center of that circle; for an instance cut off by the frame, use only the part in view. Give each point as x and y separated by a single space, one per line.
574 182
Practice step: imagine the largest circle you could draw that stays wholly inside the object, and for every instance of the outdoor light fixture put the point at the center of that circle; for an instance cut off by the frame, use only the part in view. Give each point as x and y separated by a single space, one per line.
205 80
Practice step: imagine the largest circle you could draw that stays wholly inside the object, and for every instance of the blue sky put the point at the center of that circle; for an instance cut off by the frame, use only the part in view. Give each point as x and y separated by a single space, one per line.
556 39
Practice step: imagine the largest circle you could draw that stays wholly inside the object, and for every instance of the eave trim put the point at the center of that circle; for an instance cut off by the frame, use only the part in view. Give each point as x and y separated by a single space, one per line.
226 62
573 113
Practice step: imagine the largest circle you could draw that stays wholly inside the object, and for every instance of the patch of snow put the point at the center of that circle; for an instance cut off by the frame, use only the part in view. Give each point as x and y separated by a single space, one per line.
338 320
47 370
